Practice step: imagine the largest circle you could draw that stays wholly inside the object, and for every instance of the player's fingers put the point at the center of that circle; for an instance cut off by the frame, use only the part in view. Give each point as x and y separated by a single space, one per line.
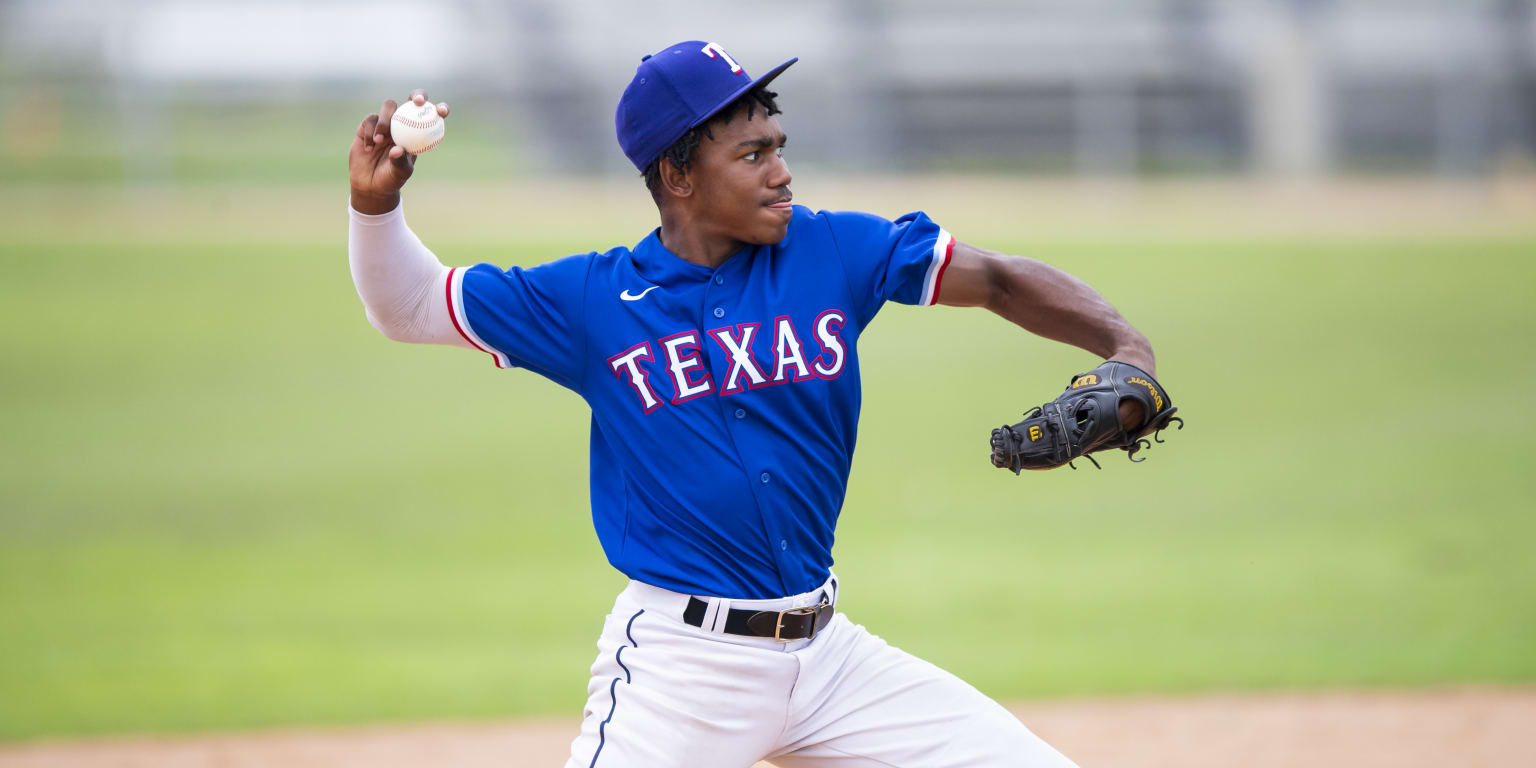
386 113
403 161
442 108
365 130
419 96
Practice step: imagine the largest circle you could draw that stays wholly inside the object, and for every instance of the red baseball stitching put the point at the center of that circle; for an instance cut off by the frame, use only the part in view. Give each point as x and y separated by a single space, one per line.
429 146
410 122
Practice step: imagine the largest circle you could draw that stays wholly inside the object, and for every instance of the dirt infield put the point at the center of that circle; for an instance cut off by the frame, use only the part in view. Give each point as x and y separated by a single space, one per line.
1468 728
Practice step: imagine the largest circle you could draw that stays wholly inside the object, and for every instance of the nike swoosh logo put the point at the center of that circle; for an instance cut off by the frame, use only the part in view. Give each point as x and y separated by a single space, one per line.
627 296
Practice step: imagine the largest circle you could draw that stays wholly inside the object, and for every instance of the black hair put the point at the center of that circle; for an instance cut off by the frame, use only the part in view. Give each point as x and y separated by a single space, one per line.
680 154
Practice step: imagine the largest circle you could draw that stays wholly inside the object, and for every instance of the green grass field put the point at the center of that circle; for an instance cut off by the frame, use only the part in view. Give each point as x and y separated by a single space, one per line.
226 502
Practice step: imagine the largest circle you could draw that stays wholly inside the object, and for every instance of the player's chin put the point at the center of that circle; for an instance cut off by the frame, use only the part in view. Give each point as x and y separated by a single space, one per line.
771 227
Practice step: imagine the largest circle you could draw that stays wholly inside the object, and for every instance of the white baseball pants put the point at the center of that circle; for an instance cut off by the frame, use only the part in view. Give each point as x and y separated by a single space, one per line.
665 693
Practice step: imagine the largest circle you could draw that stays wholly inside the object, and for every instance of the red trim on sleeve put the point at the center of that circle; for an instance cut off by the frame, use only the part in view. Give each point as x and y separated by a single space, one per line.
453 316
938 280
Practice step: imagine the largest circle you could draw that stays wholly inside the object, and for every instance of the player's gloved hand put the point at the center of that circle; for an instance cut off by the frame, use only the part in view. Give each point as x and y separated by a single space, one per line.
377 166
1086 418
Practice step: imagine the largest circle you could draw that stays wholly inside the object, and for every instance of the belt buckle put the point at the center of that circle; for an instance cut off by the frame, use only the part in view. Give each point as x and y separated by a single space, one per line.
809 610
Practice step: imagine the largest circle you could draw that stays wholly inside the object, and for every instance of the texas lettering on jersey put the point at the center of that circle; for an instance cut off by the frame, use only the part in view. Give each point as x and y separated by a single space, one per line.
688 376
721 445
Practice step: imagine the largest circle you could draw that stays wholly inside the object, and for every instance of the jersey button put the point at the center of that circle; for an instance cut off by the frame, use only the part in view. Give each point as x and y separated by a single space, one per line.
741 413
765 478
719 279
783 544
719 312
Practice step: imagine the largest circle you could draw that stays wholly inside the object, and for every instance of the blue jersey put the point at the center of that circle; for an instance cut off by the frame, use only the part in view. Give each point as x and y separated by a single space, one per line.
725 402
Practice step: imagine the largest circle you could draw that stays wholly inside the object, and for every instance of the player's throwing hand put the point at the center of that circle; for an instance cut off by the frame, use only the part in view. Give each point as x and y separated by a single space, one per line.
378 167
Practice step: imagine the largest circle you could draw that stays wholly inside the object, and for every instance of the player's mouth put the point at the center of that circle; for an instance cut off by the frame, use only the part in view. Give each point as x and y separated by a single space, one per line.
782 203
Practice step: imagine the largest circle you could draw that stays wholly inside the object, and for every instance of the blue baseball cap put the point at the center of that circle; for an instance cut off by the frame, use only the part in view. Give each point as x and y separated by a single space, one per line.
677 89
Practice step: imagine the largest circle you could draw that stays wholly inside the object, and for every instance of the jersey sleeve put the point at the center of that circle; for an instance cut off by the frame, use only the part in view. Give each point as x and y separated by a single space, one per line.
526 318
901 260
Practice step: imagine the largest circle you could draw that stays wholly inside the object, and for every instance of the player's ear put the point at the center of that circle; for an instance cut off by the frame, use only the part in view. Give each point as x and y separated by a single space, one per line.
676 182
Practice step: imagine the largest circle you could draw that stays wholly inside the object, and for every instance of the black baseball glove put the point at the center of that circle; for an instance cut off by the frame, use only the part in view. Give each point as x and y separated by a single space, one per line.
1085 419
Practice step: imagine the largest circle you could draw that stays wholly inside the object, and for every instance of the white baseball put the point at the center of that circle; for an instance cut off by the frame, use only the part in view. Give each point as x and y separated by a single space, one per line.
416 129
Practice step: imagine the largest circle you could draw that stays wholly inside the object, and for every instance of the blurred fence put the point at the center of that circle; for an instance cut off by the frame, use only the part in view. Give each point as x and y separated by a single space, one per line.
148 90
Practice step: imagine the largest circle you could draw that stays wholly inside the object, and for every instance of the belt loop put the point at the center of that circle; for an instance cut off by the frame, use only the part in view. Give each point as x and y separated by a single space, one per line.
722 610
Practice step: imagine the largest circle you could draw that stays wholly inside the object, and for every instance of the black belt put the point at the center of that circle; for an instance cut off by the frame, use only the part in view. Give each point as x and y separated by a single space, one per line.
790 624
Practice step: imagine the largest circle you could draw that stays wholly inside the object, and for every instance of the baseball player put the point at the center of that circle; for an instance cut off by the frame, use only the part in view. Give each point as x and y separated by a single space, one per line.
719 356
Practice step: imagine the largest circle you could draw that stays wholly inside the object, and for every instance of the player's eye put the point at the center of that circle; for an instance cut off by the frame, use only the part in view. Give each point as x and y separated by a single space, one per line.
752 157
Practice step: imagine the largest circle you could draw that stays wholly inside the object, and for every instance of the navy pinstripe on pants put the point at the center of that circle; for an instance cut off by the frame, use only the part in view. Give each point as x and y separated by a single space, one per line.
618 656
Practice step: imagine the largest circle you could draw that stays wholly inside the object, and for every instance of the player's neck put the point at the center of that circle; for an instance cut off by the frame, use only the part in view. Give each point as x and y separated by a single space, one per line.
693 245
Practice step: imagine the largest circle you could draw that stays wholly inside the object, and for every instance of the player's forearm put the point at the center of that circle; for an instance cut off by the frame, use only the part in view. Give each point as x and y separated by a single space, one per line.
1051 303
399 280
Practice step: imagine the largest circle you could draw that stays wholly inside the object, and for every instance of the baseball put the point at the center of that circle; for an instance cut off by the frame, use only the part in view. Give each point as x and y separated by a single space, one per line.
417 129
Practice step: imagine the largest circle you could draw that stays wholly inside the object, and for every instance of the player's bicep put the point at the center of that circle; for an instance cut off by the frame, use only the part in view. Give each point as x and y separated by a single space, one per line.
421 315
973 277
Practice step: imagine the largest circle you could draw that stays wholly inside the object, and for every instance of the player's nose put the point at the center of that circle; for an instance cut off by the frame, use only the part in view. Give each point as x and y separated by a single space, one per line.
778 175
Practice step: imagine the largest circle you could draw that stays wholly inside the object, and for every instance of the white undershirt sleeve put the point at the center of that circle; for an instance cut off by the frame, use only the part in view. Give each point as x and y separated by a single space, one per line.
401 282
